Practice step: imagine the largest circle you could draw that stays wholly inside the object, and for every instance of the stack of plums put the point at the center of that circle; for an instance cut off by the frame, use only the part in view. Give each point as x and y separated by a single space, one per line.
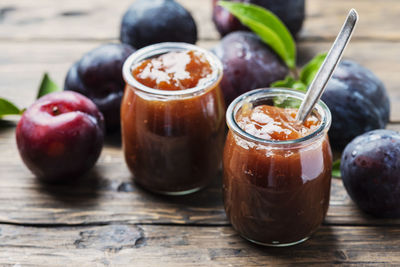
68 127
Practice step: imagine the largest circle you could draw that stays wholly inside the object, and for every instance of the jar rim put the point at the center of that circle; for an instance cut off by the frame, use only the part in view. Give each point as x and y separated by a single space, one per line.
256 94
162 48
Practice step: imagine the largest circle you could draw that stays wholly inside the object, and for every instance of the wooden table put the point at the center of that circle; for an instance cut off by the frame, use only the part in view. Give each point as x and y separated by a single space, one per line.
107 220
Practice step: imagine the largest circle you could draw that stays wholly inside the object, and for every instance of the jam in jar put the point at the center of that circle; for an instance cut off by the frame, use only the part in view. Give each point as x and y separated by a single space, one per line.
172 117
277 172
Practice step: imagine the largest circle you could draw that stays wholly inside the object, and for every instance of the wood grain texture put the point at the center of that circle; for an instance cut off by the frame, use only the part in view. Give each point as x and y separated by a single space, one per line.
81 20
98 19
108 195
152 245
378 19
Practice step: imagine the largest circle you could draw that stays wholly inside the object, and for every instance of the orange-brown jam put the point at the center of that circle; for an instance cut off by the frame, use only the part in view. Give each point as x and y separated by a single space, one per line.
173 71
276 193
275 123
173 145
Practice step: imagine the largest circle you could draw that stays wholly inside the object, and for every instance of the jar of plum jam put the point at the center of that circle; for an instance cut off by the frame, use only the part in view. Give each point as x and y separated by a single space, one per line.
173 117
277 172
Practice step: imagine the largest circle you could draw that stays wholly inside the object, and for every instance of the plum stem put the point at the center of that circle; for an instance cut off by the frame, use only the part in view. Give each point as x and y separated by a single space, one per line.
55 111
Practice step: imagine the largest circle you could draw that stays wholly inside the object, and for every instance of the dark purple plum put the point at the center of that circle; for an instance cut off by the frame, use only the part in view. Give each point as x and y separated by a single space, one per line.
148 22
370 169
291 12
98 75
248 64
358 102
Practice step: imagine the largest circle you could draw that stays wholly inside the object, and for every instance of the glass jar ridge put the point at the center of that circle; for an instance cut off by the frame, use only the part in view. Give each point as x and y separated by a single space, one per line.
162 48
258 95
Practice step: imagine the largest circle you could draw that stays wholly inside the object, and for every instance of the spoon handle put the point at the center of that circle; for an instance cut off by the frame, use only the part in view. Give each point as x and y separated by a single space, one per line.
325 72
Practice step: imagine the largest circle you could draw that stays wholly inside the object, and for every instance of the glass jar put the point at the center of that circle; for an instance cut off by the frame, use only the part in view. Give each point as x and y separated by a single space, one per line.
173 140
276 193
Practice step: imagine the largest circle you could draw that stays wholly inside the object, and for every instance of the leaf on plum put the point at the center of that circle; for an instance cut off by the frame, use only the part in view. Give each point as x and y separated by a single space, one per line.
8 108
47 86
290 82
267 26
309 71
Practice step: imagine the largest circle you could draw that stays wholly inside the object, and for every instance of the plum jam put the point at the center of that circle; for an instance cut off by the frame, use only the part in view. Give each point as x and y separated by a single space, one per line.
277 172
274 123
172 117
173 71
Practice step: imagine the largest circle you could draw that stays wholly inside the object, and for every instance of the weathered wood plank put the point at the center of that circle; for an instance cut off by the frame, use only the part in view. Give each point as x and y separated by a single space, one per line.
147 245
109 195
378 19
97 19
88 20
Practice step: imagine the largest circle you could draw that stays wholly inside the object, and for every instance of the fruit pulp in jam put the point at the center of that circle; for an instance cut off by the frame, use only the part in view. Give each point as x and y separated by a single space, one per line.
276 194
173 145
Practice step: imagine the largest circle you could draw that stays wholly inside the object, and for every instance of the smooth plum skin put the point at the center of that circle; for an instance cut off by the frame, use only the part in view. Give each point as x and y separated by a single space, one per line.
60 136
358 102
370 169
148 22
98 75
291 12
248 64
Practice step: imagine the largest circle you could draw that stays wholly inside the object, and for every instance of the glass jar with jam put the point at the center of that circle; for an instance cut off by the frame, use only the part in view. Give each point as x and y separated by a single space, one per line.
277 172
173 117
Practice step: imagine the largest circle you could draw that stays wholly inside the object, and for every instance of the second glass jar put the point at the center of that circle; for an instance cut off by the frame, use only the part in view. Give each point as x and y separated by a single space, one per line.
173 140
276 193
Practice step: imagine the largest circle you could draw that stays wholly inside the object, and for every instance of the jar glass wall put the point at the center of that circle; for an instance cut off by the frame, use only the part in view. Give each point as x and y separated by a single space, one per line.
276 192
173 140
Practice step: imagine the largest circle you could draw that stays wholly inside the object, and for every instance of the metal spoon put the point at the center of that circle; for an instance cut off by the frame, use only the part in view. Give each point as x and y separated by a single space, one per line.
325 72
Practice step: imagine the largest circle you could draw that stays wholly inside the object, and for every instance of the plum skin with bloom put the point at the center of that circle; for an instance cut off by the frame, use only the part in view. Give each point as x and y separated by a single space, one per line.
60 136
356 97
370 169
149 22
98 76
248 64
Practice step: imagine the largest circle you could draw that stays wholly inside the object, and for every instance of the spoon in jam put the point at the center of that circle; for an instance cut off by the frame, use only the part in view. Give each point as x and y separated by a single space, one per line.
325 72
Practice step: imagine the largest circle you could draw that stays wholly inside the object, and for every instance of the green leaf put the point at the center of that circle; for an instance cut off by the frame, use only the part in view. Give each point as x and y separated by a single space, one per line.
290 82
283 102
267 26
8 108
47 86
286 83
336 169
309 71
299 86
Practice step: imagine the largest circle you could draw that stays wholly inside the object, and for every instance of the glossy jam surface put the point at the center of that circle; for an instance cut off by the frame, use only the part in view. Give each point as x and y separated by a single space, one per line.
173 145
276 194
173 71
275 123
